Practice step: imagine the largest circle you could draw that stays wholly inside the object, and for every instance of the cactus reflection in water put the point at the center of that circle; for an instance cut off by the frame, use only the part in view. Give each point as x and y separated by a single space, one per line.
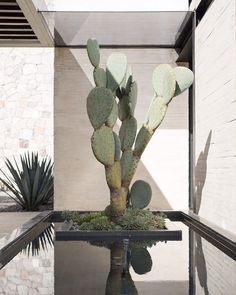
115 96
123 255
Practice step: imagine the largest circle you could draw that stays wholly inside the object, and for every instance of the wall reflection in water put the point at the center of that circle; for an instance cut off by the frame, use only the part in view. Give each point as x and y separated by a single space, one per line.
119 267
122 267
32 270
215 271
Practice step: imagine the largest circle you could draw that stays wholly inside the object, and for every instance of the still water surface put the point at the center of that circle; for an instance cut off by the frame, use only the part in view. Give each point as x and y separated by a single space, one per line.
191 266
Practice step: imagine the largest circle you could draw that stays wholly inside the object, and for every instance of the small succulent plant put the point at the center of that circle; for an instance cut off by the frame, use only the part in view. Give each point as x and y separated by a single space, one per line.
114 97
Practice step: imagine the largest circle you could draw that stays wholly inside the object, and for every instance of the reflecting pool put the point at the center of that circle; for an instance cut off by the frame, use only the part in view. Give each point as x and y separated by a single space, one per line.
190 266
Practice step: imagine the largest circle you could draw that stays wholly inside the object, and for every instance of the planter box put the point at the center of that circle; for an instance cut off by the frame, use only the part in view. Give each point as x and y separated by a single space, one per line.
63 232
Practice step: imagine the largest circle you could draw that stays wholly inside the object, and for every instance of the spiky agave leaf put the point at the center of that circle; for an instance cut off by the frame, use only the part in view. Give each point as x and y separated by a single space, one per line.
30 181
42 242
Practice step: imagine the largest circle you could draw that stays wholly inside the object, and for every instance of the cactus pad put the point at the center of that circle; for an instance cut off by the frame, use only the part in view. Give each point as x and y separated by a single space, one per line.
184 79
126 84
143 137
140 194
141 261
124 110
100 77
113 175
116 69
103 145
156 113
127 133
99 106
93 52
111 120
117 146
163 81
128 165
133 96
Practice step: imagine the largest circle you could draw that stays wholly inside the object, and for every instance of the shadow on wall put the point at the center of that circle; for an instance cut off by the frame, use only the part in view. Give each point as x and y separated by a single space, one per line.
79 179
201 173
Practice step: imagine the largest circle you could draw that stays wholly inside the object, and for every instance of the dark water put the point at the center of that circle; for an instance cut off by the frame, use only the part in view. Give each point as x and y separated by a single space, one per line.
190 266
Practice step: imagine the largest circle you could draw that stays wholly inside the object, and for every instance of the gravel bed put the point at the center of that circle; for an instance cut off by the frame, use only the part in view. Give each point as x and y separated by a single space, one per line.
7 204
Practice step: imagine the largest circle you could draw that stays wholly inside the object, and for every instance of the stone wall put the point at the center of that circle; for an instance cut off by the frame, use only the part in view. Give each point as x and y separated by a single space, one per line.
26 101
29 275
216 115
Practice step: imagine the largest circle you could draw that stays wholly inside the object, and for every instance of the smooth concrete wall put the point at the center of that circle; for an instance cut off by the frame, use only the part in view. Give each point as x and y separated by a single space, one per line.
216 115
79 178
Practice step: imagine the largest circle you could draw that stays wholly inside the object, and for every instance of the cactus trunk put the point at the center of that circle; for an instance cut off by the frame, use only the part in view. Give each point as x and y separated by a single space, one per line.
114 280
118 198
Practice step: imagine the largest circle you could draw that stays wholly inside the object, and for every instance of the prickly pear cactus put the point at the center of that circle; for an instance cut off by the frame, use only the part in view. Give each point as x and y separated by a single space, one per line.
140 194
116 70
93 52
184 79
99 106
127 133
100 77
114 98
163 81
103 145
141 261
111 120
156 113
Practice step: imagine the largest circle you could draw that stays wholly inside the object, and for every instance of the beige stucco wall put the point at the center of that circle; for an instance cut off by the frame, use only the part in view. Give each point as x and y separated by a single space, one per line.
216 114
79 178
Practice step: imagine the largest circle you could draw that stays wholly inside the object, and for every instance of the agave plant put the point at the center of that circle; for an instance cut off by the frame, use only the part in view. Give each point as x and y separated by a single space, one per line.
30 181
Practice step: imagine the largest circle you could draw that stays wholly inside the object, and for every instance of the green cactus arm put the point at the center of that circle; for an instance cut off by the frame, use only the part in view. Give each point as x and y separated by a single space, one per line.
111 120
103 145
164 83
142 139
140 194
113 176
127 133
184 79
126 84
117 146
115 70
156 113
93 52
99 106
100 77
128 163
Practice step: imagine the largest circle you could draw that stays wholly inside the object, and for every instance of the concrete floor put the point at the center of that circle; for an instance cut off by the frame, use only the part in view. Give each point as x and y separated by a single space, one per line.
11 220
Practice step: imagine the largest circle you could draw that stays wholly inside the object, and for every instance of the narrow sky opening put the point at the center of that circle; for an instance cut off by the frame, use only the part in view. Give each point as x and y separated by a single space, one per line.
115 5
